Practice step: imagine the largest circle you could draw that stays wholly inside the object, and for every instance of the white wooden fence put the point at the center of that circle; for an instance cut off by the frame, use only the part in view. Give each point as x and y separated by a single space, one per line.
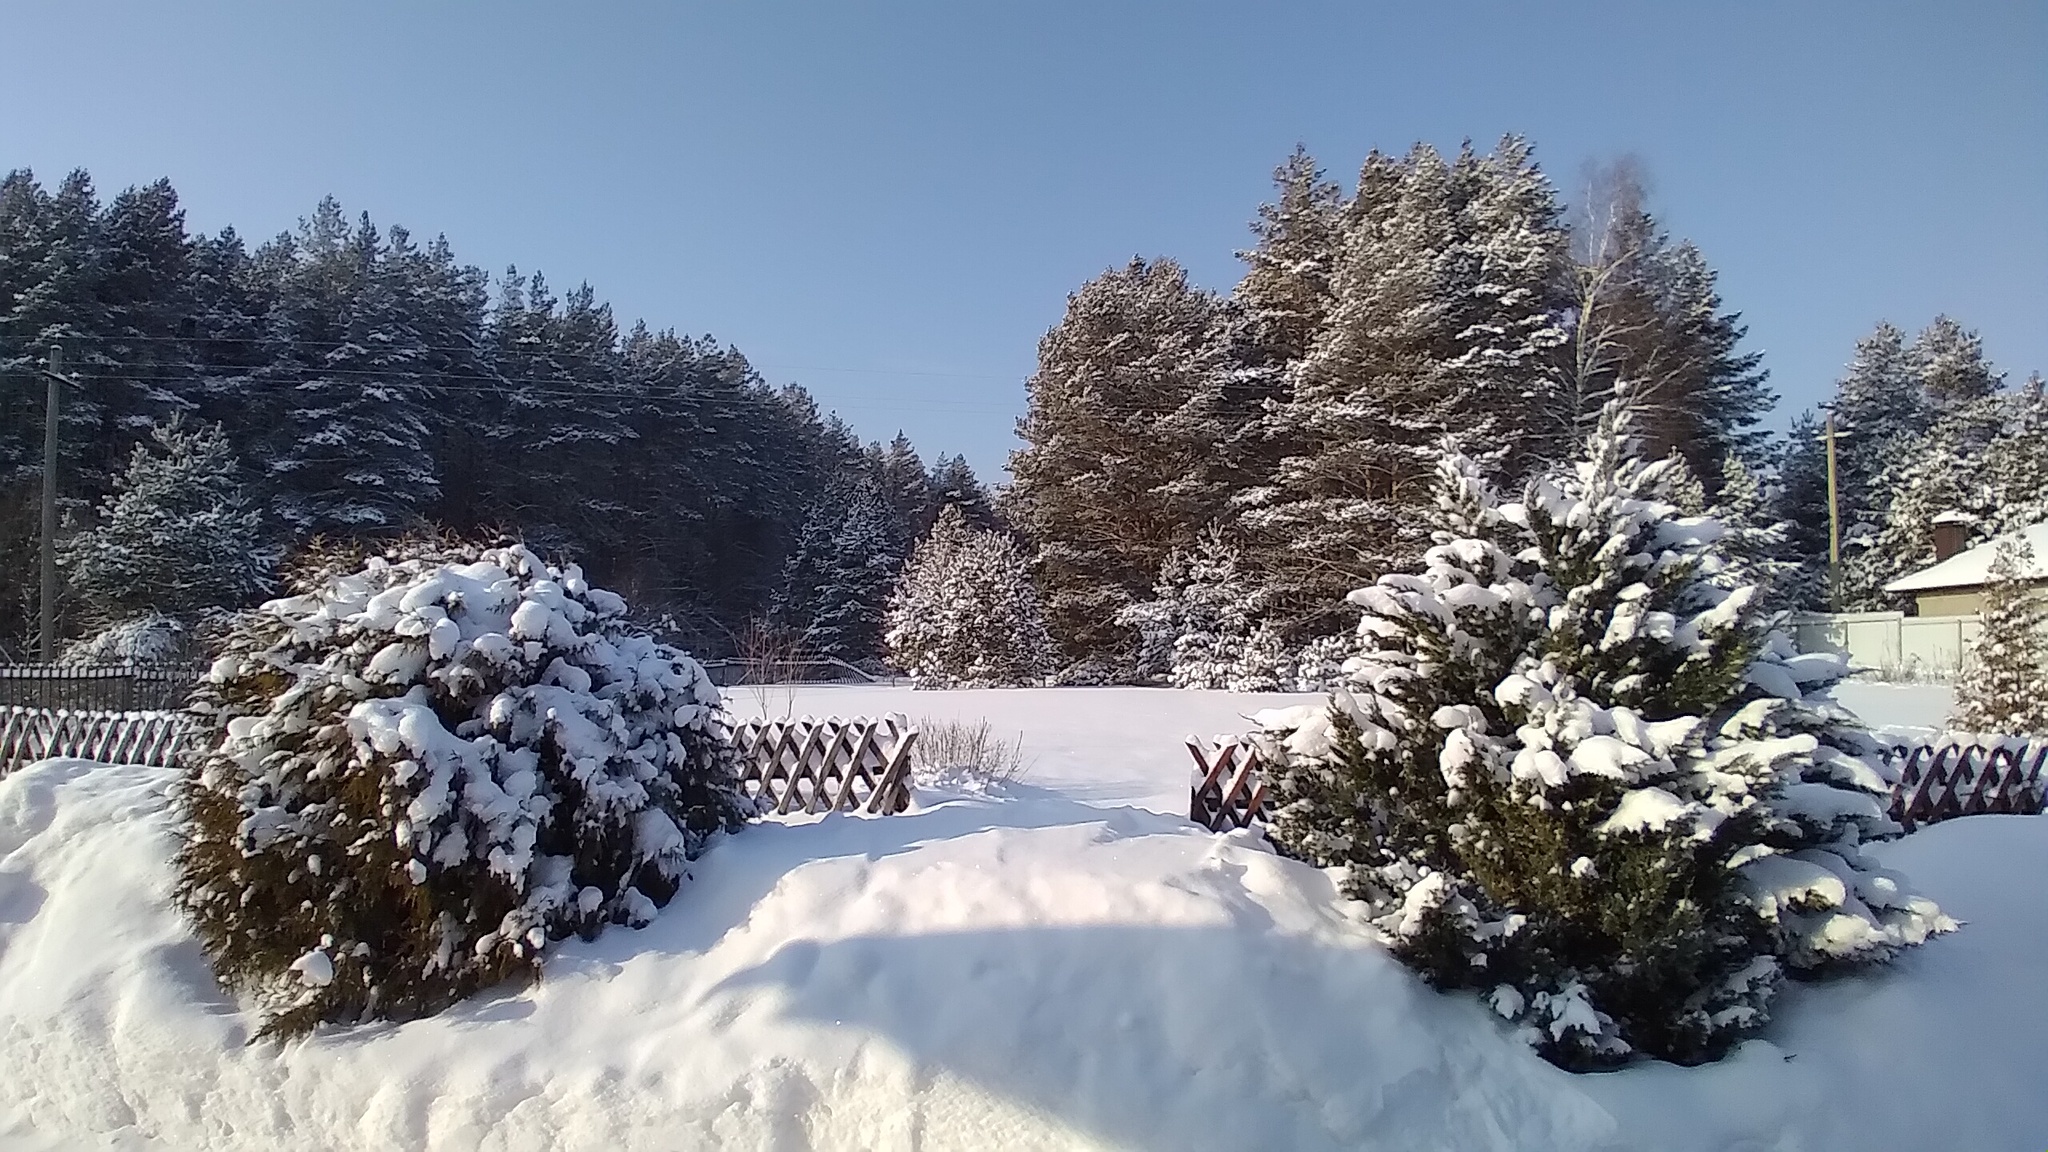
31 734
1895 644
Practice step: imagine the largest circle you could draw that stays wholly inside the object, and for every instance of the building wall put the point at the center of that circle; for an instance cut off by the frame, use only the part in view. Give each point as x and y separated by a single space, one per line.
1951 602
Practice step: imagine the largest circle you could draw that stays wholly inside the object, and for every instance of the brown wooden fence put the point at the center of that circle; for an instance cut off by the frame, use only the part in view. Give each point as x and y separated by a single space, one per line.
1230 786
1968 779
829 765
804 765
98 687
1957 778
31 734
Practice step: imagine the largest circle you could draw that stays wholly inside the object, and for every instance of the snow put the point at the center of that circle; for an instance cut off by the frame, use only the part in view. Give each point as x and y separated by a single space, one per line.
1099 745
1971 568
1904 709
1069 965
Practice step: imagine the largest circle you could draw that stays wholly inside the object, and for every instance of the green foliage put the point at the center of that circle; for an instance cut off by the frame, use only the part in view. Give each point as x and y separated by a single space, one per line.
176 538
1571 773
418 771
2003 689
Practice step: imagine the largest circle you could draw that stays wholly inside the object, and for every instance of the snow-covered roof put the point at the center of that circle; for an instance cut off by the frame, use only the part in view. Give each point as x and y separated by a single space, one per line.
1971 568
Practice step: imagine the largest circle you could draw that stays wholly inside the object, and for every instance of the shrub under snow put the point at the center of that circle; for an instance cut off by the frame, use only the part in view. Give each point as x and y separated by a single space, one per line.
1572 774
419 772
965 613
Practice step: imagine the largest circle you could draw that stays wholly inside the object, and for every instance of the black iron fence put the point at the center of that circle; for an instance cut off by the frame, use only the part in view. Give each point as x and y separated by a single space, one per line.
98 688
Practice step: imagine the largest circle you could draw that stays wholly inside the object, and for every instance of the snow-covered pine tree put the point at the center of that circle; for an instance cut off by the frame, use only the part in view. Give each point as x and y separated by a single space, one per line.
346 448
419 770
1881 408
1286 288
1980 458
1800 502
1131 443
1755 545
177 536
953 481
965 614
1570 773
1949 360
1443 322
901 477
836 584
1194 631
2003 689
1507 319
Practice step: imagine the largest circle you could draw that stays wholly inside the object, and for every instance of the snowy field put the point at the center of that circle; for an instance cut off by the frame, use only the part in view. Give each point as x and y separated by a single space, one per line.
1066 967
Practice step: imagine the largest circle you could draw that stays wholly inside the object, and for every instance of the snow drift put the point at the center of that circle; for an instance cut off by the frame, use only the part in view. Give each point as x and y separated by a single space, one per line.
1022 973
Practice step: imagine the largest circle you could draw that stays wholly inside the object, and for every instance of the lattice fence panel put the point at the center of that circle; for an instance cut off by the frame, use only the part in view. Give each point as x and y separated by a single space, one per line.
1968 778
31 734
1229 785
1935 782
829 765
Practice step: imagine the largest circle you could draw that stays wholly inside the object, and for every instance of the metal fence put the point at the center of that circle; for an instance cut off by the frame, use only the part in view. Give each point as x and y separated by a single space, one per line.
825 670
98 688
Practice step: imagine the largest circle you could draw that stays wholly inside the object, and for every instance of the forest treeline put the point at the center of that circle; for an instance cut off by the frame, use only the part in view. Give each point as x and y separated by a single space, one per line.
1203 475
369 384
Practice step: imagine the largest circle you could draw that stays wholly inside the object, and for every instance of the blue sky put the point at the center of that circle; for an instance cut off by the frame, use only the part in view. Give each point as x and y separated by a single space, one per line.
889 202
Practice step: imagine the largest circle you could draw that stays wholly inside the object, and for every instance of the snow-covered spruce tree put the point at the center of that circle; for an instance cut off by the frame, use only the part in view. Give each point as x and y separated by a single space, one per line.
2003 689
1755 546
1195 630
419 770
177 536
1571 774
965 614
835 585
1982 458
152 638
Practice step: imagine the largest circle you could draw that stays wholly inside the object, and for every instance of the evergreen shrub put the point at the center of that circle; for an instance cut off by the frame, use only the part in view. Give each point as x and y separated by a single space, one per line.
1571 772
420 768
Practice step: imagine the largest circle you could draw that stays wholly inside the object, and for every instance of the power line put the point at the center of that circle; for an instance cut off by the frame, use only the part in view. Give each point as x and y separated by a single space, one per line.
487 346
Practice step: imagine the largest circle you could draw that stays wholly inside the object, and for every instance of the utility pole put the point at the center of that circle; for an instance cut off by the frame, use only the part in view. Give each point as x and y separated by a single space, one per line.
1834 519
56 381
1829 433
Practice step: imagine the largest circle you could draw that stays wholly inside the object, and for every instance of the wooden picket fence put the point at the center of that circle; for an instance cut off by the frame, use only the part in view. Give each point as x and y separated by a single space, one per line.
1968 778
828 765
1957 778
31 734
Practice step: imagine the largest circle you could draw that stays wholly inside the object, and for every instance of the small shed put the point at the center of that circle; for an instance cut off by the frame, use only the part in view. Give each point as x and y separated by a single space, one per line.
1954 584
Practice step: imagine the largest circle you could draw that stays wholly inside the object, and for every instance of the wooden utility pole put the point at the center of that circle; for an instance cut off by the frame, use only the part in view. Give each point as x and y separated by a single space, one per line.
1834 521
56 381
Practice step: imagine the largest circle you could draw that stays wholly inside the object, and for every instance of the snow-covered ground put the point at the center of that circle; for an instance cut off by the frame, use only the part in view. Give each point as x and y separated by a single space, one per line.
1068 966
1115 746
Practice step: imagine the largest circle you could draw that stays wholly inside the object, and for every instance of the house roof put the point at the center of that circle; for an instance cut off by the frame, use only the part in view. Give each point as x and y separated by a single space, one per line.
1971 568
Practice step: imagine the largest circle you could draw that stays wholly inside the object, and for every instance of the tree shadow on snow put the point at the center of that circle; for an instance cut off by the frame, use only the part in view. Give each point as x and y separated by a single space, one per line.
1149 1037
